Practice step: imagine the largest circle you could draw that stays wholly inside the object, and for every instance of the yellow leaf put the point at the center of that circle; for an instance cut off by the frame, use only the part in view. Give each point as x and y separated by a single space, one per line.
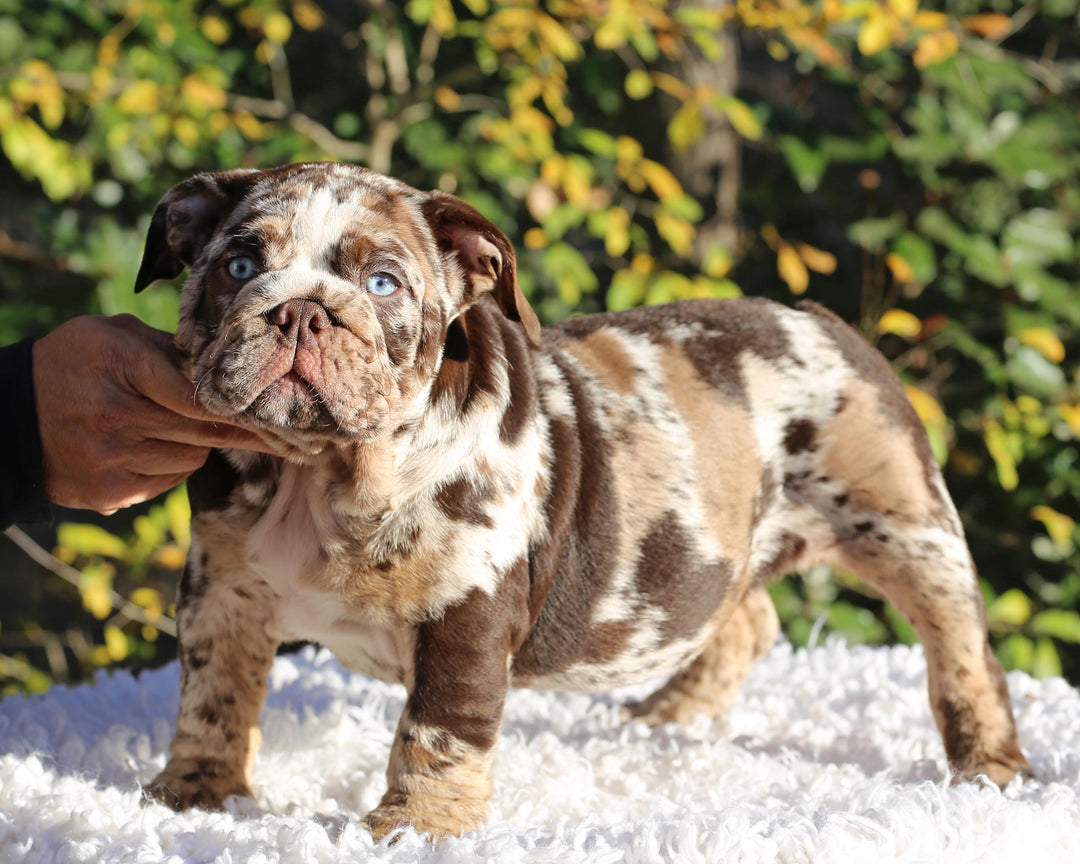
215 29
1012 608
638 84
741 116
900 268
140 97
926 20
817 260
108 50
901 323
617 232
678 233
935 48
628 149
992 25
926 406
663 182
996 445
116 644
249 125
686 126
905 9
642 264
146 597
200 93
557 38
808 39
717 262
1059 526
670 84
536 238
307 14
96 598
1071 415
168 557
89 540
186 131
1045 341
875 34
277 27
792 269
447 99
1028 405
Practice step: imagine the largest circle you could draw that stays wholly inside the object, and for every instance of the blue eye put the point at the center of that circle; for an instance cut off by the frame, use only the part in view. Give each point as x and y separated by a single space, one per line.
242 268
381 284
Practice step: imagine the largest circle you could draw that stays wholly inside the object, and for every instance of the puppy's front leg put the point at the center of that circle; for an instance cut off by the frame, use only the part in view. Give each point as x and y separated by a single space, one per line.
225 656
439 778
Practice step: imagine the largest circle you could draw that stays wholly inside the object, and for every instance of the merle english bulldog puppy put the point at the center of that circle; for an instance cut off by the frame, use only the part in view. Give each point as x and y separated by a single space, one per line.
466 503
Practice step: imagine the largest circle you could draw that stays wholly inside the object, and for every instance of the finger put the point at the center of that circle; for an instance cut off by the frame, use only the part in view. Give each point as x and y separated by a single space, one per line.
135 488
183 430
153 458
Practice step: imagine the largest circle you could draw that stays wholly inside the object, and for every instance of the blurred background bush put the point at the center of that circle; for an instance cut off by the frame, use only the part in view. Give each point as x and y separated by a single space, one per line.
913 165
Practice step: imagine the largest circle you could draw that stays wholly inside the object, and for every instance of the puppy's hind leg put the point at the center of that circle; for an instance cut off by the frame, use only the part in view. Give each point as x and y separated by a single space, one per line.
711 682
928 575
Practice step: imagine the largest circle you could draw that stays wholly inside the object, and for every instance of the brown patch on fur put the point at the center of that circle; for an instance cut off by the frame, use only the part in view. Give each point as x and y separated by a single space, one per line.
711 683
726 458
671 576
875 461
439 778
463 501
603 354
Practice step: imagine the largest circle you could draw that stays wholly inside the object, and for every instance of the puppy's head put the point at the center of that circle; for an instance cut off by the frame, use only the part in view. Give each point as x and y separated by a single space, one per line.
319 295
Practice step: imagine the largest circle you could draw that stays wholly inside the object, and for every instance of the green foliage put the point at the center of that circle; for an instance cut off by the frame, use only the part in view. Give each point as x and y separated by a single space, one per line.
916 169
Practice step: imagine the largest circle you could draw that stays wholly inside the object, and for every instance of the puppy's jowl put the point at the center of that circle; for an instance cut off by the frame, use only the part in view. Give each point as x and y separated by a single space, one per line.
466 503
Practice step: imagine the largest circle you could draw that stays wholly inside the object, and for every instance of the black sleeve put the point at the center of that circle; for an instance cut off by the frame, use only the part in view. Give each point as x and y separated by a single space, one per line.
22 475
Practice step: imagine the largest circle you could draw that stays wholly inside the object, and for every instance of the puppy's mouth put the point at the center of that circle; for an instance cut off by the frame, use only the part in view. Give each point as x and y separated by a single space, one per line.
296 372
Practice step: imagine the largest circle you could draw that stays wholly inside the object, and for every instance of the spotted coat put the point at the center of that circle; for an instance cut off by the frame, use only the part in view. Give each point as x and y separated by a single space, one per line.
464 502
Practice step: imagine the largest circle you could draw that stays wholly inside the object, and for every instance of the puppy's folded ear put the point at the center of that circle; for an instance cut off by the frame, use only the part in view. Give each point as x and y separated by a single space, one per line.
186 219
485 255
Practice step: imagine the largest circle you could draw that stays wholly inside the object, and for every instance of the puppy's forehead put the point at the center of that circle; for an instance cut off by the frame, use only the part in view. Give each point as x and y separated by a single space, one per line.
310 211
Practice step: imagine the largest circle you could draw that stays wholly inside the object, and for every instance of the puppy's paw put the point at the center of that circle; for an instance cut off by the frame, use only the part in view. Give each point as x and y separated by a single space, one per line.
204 784
1000 767
434 817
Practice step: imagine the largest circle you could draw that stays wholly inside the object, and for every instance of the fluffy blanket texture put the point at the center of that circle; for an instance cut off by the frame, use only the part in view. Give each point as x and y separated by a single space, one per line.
828 755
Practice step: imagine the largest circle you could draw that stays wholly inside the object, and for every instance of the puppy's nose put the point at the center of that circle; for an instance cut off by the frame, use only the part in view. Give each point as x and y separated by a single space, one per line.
298 317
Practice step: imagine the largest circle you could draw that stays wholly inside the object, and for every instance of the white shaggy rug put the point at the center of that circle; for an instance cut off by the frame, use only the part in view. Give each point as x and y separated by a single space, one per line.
829 755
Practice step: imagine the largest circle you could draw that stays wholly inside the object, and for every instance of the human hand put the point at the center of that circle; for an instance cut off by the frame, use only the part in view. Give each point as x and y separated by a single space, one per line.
119 421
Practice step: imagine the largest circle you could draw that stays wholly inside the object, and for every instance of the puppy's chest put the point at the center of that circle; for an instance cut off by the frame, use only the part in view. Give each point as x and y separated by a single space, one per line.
300 548
360 586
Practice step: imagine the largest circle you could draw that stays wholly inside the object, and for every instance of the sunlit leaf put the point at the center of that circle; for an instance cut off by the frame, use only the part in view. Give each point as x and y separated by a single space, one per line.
875 34
792 269
1046 663
116 644
1063 624
900 322
741 116
994 436
1045 341
1059 526
686 126
926 406
936 47
816 259
638 84
89 540
1013 608
992 25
